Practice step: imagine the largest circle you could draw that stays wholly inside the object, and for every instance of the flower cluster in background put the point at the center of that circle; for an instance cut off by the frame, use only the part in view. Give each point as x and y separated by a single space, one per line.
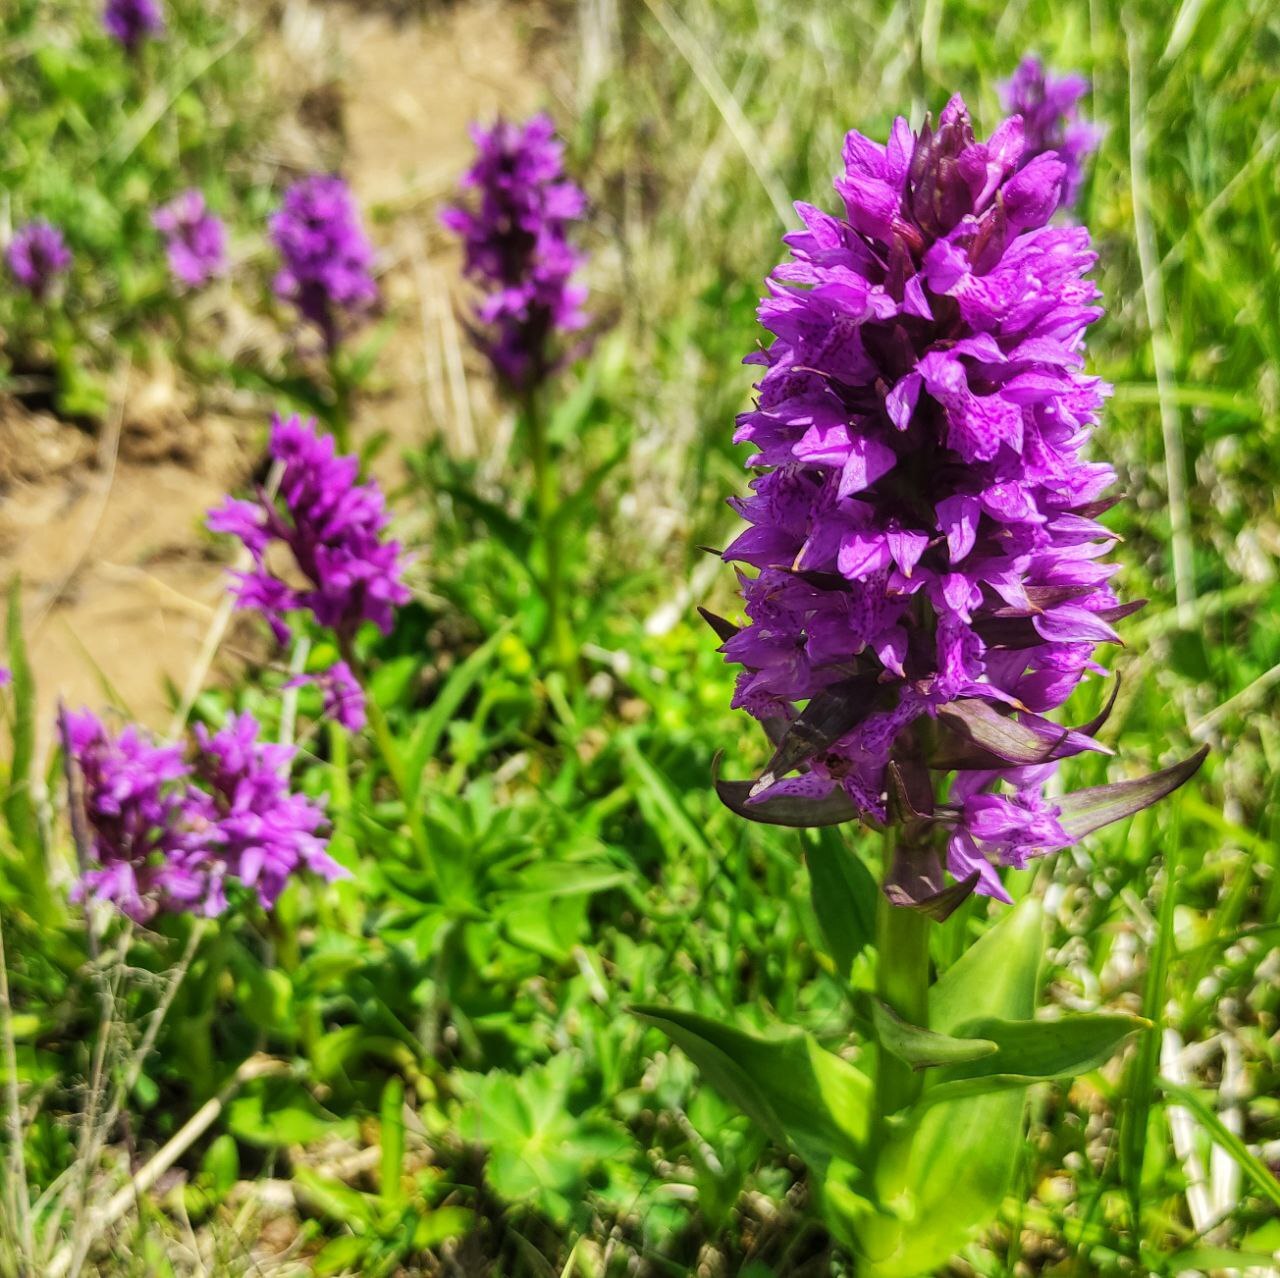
264 832
924 530
130 22
334 529
517 248
328 259
1050 108
38 255
170 836
195 240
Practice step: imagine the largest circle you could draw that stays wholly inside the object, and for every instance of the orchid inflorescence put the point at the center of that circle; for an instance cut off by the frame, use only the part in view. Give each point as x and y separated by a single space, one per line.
328 260
130 22
930 573
38 255
171 834
517 246
195 240
1049 105
333 529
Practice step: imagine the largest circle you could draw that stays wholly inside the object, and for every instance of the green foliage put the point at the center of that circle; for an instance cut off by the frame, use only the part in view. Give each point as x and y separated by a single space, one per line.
542 1151
187 113
803 1096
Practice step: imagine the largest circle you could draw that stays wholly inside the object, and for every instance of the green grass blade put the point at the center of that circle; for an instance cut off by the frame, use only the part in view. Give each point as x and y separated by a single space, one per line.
19 807
1249 1162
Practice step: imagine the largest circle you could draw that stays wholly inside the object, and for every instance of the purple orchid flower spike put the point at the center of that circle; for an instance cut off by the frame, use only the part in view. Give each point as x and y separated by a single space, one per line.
334 530
131 22
923 568
166 836
1049 105
517 246
37 256
328 259
195 240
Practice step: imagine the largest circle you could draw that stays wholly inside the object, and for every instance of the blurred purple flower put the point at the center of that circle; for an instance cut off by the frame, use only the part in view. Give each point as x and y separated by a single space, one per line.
260 831
38 254
929 569
334 530
1049 106
6 676
517 248
343 696
328 260
130 22
148 842
195 240
168 836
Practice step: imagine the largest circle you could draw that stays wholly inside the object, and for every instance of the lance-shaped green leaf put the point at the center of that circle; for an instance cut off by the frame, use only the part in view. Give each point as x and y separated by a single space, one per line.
1000 739
920 1047
1034 1051
832 714
803 1096
1084 811
799 811
963 1151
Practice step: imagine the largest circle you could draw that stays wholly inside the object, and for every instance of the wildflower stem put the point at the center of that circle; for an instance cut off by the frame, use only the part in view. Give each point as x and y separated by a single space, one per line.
560 641
902 981
340 419
405 785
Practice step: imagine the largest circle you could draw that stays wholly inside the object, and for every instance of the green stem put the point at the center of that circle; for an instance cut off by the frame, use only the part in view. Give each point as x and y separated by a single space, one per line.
340 763
404 785
391 756
340 422
546 492
902 981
